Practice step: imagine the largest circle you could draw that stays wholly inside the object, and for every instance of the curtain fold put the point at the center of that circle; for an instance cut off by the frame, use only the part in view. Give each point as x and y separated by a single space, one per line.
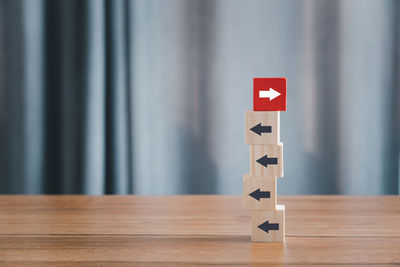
94 172
65 124
148 96
32 162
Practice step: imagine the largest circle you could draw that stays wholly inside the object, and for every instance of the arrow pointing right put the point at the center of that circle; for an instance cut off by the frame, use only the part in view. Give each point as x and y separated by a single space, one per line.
270 94
265 161
266 227
258 129
257 194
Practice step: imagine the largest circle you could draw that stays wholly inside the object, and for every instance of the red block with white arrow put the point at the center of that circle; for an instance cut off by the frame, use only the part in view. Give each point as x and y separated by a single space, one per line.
269 94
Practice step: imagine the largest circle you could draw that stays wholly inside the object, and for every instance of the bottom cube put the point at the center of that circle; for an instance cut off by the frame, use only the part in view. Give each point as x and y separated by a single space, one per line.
268 225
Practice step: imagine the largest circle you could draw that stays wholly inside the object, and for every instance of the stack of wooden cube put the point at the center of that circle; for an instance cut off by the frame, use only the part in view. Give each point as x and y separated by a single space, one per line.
266 160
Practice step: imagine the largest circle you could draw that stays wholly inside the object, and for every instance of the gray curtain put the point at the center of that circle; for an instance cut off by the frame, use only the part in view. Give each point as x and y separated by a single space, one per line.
149 96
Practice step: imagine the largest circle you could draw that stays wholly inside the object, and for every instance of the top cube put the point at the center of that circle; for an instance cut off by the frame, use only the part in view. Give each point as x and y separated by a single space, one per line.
269 94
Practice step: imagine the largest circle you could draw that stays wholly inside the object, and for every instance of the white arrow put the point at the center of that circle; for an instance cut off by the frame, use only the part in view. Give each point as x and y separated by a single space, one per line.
271 94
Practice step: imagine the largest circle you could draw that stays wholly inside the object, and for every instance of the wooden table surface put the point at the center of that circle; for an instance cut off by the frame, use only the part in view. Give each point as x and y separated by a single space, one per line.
194 230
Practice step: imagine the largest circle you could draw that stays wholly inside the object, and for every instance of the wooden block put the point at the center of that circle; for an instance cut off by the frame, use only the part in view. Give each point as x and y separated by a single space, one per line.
269 94
262 127
268 225
259 193
266 160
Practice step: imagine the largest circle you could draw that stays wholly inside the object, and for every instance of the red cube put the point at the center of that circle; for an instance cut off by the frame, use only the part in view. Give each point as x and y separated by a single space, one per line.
269 94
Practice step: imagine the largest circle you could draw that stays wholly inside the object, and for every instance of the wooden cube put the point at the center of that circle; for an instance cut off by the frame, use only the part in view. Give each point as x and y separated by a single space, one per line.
268 225
259 193
262 127
266 160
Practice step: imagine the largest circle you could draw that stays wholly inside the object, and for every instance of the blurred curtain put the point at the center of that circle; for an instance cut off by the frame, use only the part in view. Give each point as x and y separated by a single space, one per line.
65 97
149 96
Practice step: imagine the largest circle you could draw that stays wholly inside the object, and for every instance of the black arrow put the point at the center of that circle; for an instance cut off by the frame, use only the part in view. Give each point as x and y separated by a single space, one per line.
258 129
265 161
266 227
260 194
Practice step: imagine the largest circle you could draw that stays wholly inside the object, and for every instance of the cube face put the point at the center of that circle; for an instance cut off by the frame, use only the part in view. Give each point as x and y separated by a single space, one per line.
262 127
269 94
266 160
268 225
259 193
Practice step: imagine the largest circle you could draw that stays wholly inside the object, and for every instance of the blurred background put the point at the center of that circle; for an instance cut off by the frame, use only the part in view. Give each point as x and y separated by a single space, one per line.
148 96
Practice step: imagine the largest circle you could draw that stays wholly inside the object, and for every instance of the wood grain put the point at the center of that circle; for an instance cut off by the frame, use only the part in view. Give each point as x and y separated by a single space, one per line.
194 230
259 217
272 151
250 184
266 118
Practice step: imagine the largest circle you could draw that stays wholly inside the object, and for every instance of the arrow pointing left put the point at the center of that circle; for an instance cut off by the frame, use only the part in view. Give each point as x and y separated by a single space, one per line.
257 194
265 161
259 129
266 227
